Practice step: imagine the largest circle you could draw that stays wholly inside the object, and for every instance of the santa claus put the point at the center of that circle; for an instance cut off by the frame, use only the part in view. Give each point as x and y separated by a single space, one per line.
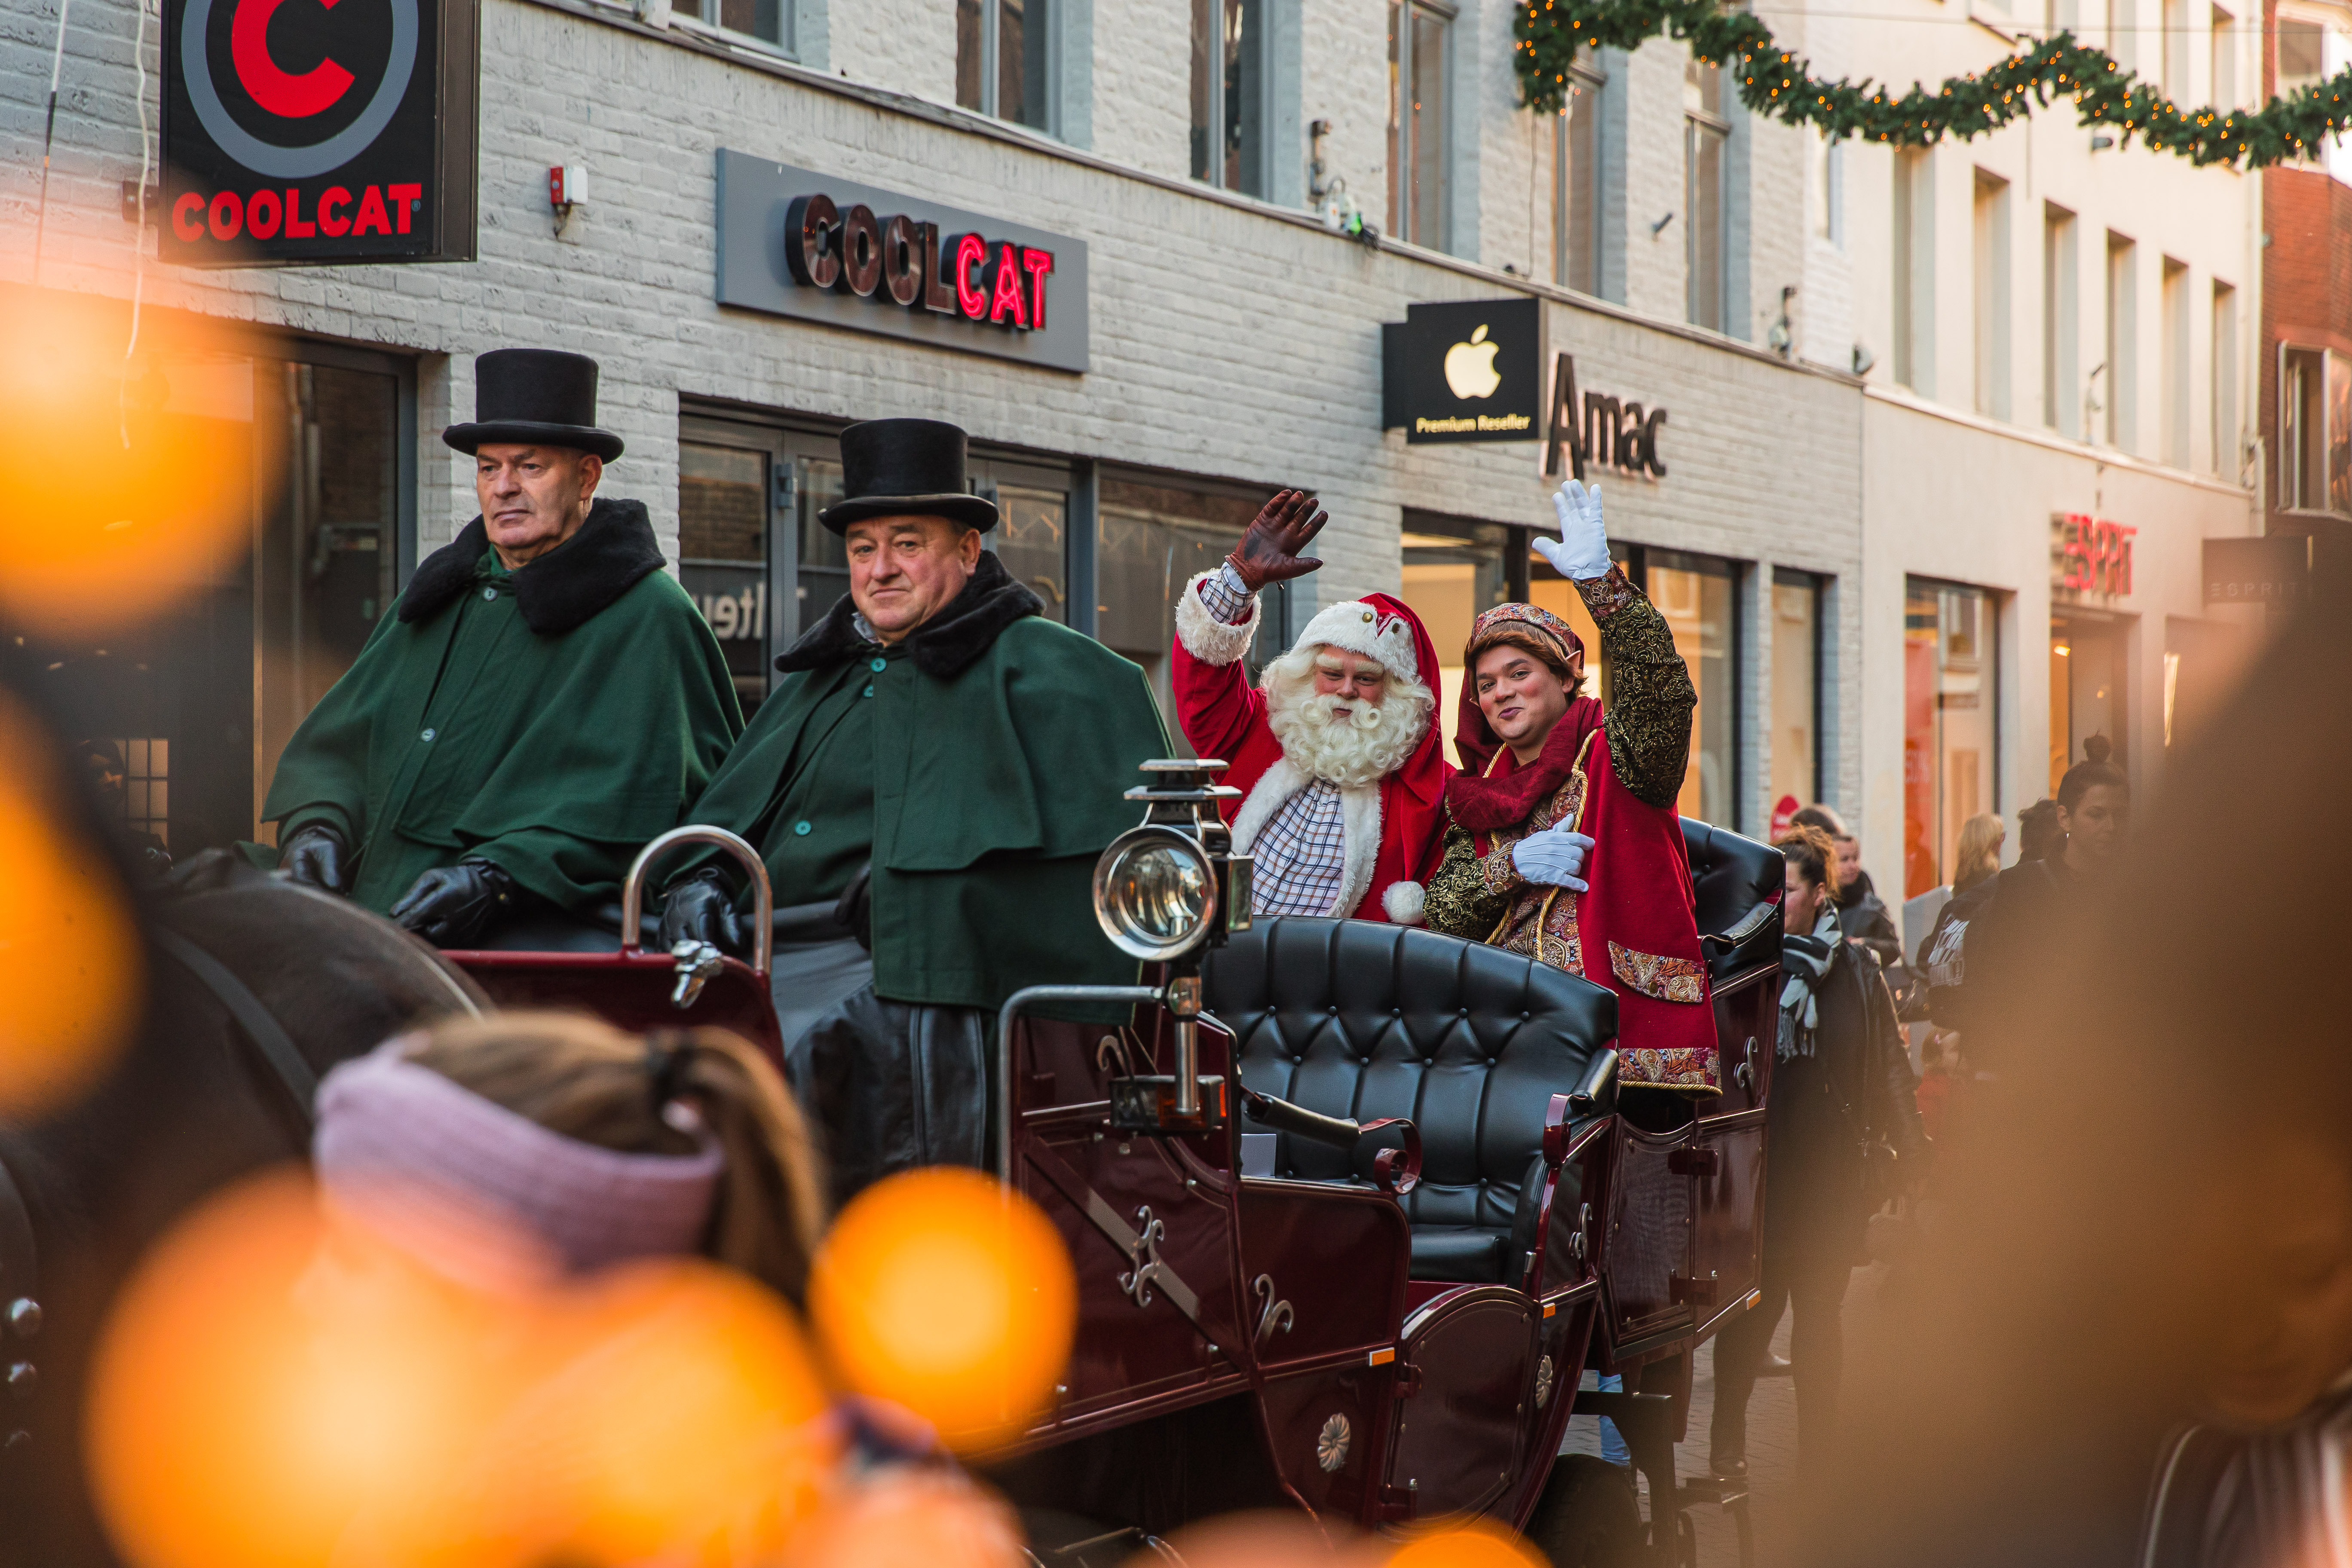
1340 770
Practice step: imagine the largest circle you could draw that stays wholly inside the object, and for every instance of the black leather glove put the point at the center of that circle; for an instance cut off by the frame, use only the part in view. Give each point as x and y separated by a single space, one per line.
315 857
452 905
855 908
702 909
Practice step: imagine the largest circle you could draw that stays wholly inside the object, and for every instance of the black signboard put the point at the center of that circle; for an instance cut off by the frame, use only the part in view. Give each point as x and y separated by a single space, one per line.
2270 569
319 130
1471 371
795 242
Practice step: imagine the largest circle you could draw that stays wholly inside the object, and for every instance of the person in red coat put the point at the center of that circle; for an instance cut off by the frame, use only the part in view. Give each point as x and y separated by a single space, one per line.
1336 752
1563 841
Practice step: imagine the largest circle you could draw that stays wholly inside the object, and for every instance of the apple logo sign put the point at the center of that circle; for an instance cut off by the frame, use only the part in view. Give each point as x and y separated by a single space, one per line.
1470 367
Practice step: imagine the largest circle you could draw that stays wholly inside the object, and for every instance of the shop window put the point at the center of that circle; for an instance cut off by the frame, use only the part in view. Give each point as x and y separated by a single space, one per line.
1706 136
196 704
1951 723
1420 34
2316 430
1454 569
2087 688
1153 535
769 21
1576 185
722 547
1004 59
1229 77
1796 687
1032 531
1698 596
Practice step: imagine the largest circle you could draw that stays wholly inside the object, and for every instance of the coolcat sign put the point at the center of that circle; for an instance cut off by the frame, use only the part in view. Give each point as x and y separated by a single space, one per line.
794 242
323 130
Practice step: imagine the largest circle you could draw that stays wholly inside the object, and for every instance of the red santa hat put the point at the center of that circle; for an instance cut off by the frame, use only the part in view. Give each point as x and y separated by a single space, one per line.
1379 627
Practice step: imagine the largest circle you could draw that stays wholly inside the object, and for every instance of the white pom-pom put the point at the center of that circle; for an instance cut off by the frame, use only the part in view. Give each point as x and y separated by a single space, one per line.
1402 902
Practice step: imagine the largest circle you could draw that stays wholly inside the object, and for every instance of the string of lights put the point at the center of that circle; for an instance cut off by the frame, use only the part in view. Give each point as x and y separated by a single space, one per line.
1775 82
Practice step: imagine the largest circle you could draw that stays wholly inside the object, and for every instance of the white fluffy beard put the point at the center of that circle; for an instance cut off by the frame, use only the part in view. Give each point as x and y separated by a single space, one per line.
1373 742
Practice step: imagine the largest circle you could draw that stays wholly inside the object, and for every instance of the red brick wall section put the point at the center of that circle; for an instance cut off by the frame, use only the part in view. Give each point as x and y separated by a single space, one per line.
2306 285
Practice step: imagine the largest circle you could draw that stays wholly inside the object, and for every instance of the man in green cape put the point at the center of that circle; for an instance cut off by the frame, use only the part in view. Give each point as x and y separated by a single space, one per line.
545 700
930 785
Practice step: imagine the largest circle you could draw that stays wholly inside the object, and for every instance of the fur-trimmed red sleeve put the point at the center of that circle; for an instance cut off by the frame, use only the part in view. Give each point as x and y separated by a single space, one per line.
1214 702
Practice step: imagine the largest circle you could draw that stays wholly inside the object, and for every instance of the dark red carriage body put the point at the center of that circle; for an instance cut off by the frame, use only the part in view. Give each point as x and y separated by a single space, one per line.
1307 1338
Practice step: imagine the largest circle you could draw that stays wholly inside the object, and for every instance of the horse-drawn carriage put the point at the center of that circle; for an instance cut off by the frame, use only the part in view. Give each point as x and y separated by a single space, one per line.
1352 1206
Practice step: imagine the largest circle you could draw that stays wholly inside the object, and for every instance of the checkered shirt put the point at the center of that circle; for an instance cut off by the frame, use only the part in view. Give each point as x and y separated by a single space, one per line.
1300 854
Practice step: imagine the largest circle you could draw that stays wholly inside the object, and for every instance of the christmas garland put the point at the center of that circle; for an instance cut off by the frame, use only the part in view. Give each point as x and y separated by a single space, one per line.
1775 82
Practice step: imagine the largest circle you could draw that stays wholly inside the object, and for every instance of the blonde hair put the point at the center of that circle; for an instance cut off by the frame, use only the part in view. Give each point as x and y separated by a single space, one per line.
584 1079
1978 853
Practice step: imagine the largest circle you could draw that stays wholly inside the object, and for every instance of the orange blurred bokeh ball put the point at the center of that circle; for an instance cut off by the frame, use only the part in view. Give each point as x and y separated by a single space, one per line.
1478 1545
939 1290
70 977
279 1387
112 502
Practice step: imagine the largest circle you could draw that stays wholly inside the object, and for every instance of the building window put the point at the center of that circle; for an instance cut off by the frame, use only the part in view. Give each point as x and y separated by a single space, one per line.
2225 380
1951 723
2225 60
2176 363
1698 596
2087 687
1915 270
2314 431
2311 50
2123 33
1153 534
1796 688
722 549
1990 238
1705 133
1825 190
2062 410
1004 59
2176 44
769 21
1420 34
1576 185
1229 94
2120 393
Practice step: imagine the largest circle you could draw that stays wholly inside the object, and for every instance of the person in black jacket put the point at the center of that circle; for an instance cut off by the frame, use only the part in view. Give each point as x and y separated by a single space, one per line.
1841 1082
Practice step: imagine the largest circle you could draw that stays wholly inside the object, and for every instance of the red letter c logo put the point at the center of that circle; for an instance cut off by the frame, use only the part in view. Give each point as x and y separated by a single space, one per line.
276 89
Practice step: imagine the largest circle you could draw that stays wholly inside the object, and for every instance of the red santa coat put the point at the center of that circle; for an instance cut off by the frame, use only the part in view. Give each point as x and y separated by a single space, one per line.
1392 834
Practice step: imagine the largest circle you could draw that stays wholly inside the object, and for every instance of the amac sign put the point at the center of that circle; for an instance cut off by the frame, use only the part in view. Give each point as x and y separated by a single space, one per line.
318 131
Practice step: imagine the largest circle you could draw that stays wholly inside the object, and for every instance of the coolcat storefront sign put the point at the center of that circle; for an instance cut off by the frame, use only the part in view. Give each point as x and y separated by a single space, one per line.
324 131
794 242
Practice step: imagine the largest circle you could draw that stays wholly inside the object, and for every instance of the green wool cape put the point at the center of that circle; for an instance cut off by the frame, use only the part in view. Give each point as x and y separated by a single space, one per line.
995 748
550 720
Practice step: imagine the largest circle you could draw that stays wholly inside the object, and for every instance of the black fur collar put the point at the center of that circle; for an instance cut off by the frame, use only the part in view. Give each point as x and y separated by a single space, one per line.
563 588
943 647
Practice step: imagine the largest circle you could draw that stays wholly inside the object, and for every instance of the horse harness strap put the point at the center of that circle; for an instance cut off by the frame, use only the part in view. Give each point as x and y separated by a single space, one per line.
278 1049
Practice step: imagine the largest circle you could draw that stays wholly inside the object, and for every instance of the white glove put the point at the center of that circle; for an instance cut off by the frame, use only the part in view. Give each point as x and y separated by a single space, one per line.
1554 857
1582 552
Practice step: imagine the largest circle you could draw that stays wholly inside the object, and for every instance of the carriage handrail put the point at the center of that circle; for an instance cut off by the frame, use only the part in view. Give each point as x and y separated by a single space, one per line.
763 943
1020 1002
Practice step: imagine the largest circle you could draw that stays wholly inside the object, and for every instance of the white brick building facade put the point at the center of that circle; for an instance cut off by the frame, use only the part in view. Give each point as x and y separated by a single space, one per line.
1234 340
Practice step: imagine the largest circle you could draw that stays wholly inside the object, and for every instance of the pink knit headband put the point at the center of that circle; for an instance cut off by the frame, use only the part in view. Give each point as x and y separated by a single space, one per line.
461 1182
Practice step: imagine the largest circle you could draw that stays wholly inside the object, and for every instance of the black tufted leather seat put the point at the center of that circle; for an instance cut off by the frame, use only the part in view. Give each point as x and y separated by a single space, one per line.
1360 1019
1730 876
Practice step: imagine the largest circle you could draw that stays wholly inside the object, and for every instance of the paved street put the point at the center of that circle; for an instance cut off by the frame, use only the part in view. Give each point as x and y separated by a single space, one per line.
1772 1442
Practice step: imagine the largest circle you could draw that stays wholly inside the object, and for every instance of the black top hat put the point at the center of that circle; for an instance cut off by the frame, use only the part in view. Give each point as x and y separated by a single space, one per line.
894 468
534 397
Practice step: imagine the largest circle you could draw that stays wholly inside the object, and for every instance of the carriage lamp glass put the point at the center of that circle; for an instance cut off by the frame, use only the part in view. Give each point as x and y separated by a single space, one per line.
1155 893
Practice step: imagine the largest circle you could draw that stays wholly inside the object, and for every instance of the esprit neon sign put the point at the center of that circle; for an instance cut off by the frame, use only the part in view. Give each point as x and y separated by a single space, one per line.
900 261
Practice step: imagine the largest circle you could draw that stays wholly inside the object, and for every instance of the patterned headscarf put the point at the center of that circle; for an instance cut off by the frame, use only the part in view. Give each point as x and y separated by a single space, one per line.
1547 628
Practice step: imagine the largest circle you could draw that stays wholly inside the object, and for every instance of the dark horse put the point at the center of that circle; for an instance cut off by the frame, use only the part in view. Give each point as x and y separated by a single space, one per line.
254 987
